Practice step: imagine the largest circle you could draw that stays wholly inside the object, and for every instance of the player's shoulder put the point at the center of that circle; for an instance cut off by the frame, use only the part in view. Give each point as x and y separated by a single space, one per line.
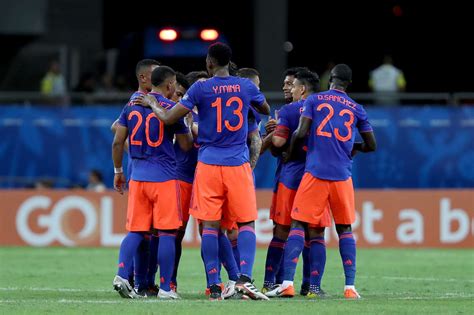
133 96
163 101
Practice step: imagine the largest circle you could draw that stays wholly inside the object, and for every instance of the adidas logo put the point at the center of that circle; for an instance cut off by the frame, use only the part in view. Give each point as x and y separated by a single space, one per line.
315 273
348 262
121 265
295 260
243 262
162 280
296 210
270 268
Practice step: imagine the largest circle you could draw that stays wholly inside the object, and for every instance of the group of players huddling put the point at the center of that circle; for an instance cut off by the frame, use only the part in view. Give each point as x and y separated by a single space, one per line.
193 142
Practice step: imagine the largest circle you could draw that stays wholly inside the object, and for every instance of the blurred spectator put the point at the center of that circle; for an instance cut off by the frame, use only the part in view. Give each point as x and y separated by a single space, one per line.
44 184
53 83
106 84
87 83
386 81
96 182
324 82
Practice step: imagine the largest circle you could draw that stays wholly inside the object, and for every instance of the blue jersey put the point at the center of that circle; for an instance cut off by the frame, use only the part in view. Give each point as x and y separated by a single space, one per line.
150 142
186 161
223 104
292 172
335 118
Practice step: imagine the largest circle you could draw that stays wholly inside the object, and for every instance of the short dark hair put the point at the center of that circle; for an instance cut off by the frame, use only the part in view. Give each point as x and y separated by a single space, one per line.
293 71
97 174
342 72
233 68
221 53
160 74
145 63
309 79
193 76
181 79
248 73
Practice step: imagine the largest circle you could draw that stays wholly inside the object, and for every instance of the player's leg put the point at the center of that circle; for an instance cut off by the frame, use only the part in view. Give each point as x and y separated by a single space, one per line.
139 220
242 205
317 261
141 265
166 219
306 267
185 194
308 207
343 209
153 264
280 210
232 235
207 202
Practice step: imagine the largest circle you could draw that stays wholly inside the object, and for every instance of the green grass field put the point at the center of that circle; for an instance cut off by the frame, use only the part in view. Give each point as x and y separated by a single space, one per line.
63 280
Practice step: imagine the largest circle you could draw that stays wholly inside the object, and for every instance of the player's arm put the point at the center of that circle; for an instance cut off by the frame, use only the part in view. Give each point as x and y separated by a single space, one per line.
168 117
264 108
255 147
266 143
113 128
298 136
118 146
368 143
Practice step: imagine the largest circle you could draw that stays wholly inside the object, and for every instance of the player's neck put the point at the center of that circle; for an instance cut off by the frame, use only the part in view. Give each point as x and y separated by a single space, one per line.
158 90
337 88
222 72
142 89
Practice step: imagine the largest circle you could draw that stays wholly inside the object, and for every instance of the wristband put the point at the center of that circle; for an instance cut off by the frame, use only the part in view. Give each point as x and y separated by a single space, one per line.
118 170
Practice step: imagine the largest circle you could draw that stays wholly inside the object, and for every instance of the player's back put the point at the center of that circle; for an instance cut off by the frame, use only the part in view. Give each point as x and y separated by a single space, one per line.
223 104
335 118
186 160
150 142
292 171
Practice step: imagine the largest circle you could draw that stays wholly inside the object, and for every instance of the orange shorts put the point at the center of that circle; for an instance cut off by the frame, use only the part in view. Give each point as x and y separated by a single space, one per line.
227 222
216 186
153 204
282 204
314 194
185 192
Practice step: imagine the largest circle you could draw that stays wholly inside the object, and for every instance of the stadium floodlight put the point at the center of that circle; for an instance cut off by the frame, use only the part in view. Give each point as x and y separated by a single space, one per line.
168 34
209 34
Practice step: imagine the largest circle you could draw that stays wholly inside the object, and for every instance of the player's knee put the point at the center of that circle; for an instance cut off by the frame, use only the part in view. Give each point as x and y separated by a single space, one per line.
343 228
281 231
316 232
211 224
297 224
250 223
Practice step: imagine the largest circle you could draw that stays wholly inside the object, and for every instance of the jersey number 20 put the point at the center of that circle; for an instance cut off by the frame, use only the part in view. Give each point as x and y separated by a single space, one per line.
150 116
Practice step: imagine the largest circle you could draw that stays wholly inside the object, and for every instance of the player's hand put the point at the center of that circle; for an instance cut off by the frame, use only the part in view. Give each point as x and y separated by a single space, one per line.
119 182
144 100
189 119
270 125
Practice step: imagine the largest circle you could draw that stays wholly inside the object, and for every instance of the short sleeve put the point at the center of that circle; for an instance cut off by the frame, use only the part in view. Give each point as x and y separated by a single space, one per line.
191 98
308 108
256 97
122 120
363 124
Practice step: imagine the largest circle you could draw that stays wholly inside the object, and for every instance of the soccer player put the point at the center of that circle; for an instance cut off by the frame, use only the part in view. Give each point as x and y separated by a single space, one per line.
331 118
289 78
288 180
145 260
223 173
153 190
